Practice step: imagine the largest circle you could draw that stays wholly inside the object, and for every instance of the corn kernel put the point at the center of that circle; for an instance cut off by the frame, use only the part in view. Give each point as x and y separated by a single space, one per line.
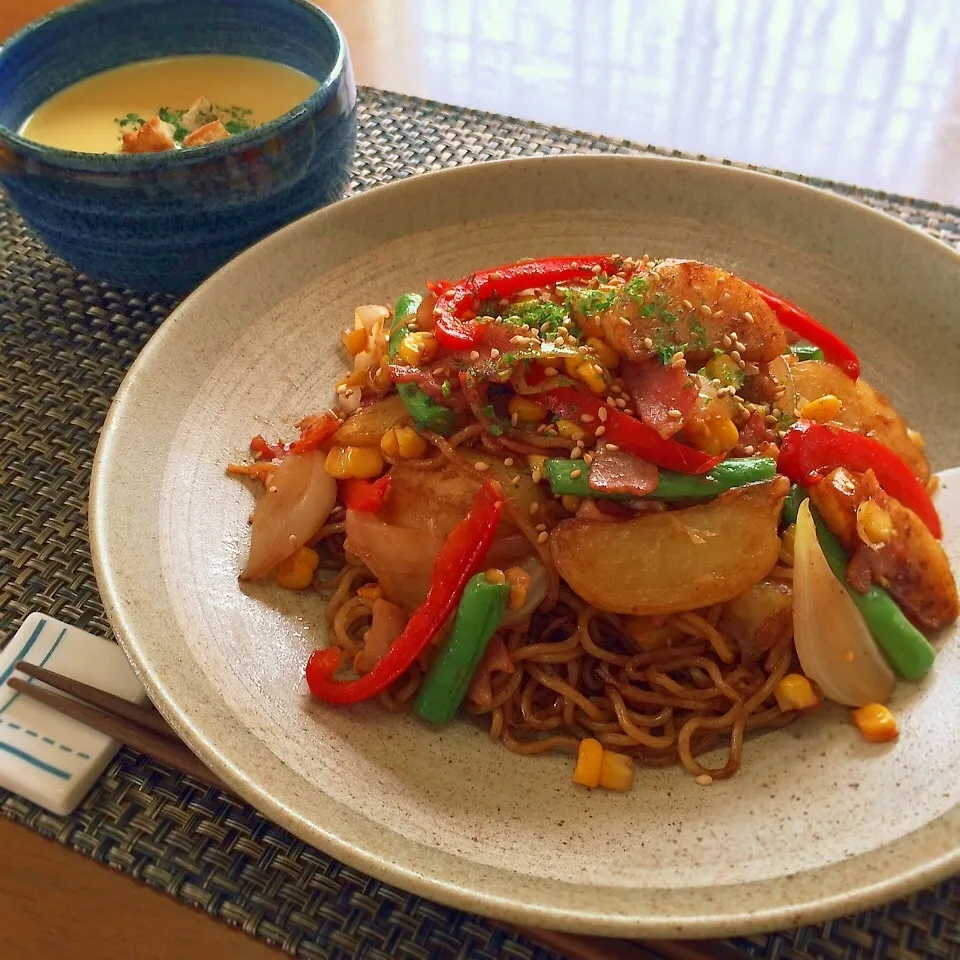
354 340
344 463
370 591
823 408
526 410
605 353
495 575
725 369
714 436
589 758
519 581
794 692
570 430
585 370
536 462
418 348
296 572
874 525
616 771
876 723
403 442
570 503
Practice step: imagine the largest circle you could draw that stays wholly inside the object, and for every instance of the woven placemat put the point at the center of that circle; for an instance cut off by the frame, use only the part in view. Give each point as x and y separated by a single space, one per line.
66 343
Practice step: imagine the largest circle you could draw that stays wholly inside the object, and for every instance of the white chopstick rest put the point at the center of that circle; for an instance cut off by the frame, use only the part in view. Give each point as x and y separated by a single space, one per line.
44 756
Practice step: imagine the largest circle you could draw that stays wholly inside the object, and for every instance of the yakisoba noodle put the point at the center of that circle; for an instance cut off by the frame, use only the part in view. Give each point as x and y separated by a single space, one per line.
602 505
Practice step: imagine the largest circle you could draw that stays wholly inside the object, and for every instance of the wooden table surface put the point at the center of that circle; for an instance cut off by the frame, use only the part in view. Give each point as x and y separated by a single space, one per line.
863 92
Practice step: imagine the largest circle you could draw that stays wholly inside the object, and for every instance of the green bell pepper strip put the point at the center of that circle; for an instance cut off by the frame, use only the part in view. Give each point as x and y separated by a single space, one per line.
448 679
906 649
673 486
791 506
806 351
426 412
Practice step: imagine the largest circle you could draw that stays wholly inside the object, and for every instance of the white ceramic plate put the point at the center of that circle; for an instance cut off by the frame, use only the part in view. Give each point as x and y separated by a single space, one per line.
817 822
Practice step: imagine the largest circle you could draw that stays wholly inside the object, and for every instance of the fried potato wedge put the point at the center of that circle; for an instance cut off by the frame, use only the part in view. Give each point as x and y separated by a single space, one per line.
679 560
863 409
890 545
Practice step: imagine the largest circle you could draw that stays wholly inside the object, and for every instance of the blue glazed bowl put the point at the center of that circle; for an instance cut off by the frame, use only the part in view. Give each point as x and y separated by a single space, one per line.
164 221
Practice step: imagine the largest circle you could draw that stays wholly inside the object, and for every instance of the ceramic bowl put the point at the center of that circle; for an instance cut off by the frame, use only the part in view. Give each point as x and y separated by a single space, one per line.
164 221
817 822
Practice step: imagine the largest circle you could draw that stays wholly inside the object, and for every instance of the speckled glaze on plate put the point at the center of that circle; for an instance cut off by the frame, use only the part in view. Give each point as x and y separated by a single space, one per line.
817 822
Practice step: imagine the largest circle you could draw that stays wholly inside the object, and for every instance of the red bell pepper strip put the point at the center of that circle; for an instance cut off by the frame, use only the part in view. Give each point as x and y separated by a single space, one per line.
366 495
811 450
800 322
630 434
314 432
459 559
263 450
456 332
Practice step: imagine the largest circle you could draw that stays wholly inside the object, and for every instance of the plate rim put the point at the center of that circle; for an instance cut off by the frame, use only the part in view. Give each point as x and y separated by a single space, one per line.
714 923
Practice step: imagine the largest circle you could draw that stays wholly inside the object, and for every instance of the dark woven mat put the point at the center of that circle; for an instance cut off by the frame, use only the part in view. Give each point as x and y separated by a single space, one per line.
66 344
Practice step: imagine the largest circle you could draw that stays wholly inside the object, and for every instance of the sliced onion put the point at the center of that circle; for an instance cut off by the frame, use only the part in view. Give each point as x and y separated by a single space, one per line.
833 643
292 509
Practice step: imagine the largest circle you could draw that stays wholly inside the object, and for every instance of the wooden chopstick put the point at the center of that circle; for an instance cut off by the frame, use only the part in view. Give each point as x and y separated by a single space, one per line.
142 728
142 716
158 746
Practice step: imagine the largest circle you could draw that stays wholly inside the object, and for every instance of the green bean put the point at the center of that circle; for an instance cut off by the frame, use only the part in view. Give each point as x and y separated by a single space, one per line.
907 650
478 616
791 505
724 476
426 412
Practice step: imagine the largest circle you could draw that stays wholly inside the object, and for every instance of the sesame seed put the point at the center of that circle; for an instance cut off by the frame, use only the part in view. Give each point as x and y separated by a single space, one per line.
273 490
726 340
587 418
292 538
705 310
621 403
748 316
480 466
717 314
602 414
508 461
540 527
534 507
536 476
648 343
576 453
601 430
341 389
575 473
674 414
616 388
514 419
721 279
474 355
612 447
749 450
687 305
551 371
625 321
742 364
494 353
611 401
735 354
596 270
542 537
704 779
516 480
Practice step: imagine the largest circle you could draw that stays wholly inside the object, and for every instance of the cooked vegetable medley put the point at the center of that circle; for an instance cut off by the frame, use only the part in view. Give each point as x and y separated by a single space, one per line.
628 508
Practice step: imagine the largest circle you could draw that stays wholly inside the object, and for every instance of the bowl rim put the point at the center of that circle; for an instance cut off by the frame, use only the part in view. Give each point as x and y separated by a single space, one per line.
129 162
725 921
